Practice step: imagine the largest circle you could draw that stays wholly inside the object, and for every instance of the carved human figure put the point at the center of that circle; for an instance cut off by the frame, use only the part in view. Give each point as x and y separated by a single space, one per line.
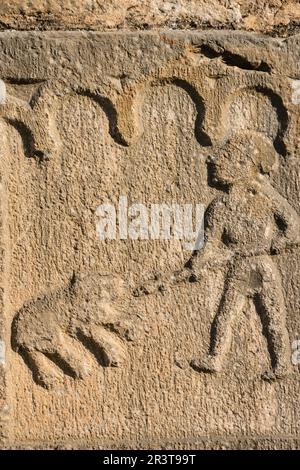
45 330
245 227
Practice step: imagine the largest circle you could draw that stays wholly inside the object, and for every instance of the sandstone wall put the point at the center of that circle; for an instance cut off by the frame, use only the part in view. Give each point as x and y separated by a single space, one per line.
270 16
135 340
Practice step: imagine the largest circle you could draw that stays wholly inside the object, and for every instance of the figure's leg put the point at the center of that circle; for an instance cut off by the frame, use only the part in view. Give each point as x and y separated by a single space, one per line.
221 331
271 307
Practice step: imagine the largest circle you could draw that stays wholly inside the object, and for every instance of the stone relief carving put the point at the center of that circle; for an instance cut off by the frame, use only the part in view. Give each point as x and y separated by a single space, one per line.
46 331
211 88
246 226
249 224
29 106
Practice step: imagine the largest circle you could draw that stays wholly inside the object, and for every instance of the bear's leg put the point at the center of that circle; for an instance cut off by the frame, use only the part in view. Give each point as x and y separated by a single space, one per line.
44 372
105 346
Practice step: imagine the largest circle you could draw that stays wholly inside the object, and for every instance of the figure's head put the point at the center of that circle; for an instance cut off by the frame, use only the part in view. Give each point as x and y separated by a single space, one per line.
242 158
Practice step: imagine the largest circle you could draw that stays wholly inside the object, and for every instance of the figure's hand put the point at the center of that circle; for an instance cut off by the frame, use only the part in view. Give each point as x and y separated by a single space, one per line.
211 259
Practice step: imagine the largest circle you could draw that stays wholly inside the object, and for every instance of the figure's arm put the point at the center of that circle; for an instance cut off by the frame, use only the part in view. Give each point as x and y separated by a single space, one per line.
286 217
214 252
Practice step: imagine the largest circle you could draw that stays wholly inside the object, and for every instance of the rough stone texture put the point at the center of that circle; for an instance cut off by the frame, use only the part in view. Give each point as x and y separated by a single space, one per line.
107 342
272 16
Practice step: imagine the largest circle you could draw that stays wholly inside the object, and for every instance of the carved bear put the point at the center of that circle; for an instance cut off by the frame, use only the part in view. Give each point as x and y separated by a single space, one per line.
45 331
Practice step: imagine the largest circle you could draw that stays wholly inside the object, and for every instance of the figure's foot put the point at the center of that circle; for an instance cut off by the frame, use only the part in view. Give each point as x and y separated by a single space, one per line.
279 372
282 370
208 364
268 376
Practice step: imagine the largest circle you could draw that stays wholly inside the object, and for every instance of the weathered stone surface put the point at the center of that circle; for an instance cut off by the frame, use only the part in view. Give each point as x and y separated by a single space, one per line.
279 17
143 343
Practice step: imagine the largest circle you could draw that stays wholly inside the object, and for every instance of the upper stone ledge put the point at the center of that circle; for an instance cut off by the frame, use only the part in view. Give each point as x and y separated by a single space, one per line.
274 17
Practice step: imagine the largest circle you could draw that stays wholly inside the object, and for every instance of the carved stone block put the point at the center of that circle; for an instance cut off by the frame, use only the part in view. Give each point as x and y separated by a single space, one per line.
137 339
